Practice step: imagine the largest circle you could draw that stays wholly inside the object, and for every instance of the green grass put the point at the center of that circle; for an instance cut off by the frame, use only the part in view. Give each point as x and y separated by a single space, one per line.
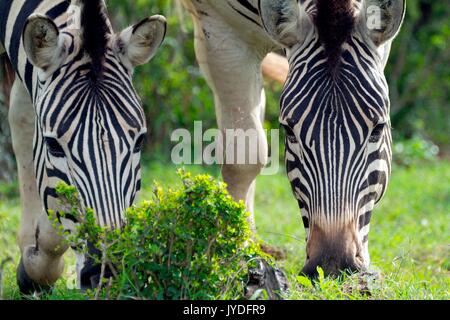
409 238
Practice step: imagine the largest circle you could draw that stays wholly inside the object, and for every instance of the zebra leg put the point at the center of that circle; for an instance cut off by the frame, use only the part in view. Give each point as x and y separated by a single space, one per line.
21 120
232 68
41 263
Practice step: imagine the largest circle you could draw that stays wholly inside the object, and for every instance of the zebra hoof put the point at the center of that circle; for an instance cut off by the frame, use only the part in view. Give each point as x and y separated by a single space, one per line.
266 278
26 285
90 276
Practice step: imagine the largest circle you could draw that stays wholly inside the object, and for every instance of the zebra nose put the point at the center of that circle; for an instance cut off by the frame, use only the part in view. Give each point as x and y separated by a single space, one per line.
331 266
335 251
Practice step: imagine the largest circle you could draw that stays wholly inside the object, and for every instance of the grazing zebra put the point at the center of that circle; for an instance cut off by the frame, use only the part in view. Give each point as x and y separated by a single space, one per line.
73 93
334 107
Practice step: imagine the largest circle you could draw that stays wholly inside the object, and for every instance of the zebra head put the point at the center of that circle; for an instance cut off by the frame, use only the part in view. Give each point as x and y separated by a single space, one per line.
335 112
90 122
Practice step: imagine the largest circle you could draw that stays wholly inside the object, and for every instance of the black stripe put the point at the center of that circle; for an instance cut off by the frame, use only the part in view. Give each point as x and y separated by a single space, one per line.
58 10
28 77
305 222
248 5
245 16
27 9
5 7
364 219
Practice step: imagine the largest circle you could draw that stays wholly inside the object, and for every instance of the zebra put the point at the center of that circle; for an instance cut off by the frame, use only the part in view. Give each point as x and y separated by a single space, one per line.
75 118
334 108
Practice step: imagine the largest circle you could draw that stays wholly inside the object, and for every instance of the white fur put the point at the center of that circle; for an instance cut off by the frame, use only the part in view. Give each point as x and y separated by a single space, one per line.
52 53
139 47
290 32
396 12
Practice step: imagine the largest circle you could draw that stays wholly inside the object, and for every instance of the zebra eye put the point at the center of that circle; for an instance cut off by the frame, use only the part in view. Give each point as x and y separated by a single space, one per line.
54 148
377 132
139 143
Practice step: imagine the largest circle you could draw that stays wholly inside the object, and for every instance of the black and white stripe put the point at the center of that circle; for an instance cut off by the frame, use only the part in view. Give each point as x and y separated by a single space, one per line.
248 9
89 128
338 137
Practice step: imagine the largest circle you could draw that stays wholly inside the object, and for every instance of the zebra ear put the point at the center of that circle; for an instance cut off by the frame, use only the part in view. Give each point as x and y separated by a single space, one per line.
382 19
42 42
282 20
137 44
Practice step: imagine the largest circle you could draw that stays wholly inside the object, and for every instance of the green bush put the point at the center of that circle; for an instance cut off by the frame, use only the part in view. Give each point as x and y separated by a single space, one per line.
192 242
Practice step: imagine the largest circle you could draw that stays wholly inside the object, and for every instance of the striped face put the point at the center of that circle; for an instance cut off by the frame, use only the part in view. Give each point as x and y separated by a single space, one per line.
90 134
90 124
338 143
335 112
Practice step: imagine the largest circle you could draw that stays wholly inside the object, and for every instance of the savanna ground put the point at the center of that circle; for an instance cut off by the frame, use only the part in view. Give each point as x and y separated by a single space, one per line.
409 238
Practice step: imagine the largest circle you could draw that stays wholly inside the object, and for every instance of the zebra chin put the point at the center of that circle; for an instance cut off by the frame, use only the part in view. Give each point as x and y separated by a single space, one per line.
336 250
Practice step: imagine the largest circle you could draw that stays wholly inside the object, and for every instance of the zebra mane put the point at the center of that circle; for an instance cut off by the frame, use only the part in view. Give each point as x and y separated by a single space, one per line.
96 29
335 22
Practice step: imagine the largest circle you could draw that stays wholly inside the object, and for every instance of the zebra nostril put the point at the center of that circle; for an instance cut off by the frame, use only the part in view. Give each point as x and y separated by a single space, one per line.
359 260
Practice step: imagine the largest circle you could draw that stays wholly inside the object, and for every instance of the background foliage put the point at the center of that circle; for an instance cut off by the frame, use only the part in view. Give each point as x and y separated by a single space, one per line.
419 74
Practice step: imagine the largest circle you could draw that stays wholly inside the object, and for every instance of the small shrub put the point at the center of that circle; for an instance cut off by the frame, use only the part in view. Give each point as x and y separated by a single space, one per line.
191 242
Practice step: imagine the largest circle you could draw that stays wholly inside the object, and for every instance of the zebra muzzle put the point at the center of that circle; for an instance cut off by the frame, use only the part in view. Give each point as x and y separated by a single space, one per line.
335 251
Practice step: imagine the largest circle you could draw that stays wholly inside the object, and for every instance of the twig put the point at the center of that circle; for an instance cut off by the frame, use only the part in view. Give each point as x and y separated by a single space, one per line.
113 270
108 289
102 272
